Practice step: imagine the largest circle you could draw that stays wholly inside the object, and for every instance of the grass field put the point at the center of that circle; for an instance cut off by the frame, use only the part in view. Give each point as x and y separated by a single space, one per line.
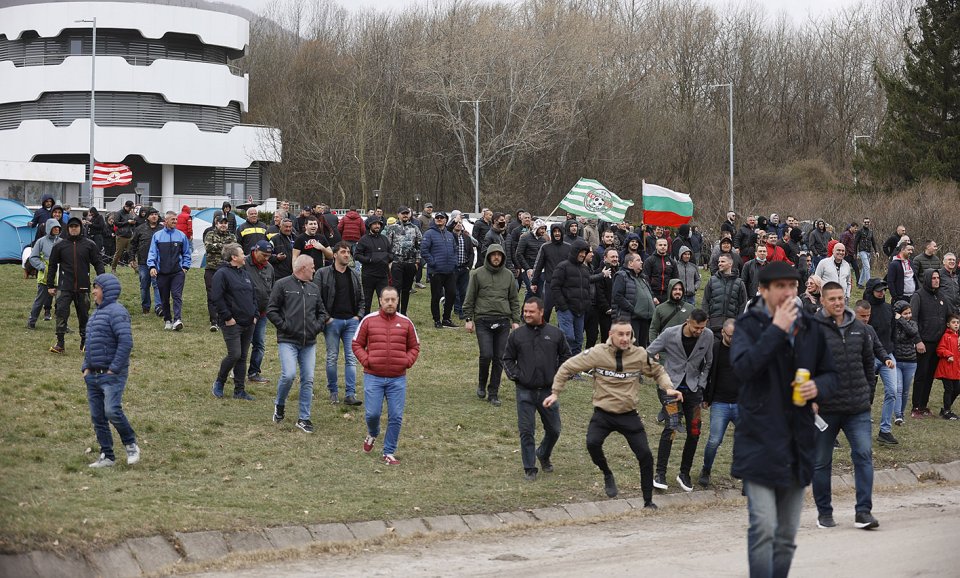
222 464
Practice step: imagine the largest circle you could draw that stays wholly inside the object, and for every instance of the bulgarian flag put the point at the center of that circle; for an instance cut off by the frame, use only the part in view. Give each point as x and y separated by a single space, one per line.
664 207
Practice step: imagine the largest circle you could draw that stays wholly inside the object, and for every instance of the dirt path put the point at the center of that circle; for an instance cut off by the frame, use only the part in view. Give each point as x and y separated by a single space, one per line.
919 535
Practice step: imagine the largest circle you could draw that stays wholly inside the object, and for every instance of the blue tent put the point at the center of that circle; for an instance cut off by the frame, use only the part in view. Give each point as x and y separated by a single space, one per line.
203 219
15 235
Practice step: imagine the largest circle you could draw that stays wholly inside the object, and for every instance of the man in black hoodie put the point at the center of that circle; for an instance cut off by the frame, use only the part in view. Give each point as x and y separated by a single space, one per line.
552 253
570 288
881 319
373 252
930 311
72 259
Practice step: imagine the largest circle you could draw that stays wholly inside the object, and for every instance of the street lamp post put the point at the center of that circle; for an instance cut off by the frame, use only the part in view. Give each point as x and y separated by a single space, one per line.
856 137
376 197
476 148
729 85
93 100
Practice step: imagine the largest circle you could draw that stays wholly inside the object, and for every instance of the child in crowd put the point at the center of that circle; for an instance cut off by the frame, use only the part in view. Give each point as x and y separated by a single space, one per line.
948 366
906 339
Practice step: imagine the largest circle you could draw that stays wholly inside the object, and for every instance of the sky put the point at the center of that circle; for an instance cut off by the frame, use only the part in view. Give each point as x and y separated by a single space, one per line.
798 10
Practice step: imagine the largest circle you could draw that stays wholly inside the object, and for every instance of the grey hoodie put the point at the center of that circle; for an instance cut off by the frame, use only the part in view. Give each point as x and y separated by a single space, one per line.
688 273
42 248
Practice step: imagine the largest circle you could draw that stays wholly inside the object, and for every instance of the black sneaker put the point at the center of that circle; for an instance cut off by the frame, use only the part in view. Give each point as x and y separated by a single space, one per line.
649 506
494 401
684 481
610 485
948 415
865 521
31 324
827 521
530 476
278 413
886 439
448 323
481 393
242 394
437 325
351 400
660 482
545 464
306 425
704 480
83 344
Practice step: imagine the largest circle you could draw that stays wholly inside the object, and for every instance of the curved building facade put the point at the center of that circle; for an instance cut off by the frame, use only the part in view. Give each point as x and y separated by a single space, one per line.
169 101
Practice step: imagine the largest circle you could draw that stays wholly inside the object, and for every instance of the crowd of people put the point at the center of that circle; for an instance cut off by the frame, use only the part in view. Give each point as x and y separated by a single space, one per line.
776 344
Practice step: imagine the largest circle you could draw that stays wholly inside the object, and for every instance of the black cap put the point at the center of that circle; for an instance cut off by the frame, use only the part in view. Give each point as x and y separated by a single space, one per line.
223 220
403 209
74 221
776 271
128 204
440 215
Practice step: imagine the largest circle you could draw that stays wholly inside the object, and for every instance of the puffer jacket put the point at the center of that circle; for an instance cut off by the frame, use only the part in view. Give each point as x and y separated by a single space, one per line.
352 227
296 310
109 338
373 252
930 310
386 345
948 352
906 336
552 253
185 222
492 291
525 257
570 285
853 357
626 300
439 250
724 298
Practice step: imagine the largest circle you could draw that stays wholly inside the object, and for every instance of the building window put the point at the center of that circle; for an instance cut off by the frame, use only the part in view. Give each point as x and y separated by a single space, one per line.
76 46
235 192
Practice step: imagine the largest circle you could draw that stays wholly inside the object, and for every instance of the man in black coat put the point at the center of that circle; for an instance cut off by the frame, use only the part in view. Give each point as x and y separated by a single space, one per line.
531 358
570 287
373 253
72 259
552 253
930 310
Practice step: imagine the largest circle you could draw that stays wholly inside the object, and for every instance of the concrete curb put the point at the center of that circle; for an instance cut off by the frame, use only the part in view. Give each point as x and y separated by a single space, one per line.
160 555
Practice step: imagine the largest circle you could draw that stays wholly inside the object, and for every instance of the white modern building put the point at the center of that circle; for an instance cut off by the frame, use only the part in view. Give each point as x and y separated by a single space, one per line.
168 101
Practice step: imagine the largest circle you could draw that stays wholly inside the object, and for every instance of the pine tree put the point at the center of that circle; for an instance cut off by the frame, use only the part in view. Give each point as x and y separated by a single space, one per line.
920 134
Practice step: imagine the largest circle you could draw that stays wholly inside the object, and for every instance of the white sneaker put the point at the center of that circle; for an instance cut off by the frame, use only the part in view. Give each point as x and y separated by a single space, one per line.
177 325
102 462
168 325
133 453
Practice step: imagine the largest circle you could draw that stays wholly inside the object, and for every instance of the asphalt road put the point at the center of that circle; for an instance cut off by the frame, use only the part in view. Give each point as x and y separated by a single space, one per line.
919 535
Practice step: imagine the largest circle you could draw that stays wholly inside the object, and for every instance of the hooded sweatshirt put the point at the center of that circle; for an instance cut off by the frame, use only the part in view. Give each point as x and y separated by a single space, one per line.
688 272
373 252
616 375
570 285
881 315
930 309
71 259
185 221
492 291
109 338
669 313
553 252
40 255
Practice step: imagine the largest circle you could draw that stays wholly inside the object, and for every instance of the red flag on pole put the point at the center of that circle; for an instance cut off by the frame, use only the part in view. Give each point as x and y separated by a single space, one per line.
111 175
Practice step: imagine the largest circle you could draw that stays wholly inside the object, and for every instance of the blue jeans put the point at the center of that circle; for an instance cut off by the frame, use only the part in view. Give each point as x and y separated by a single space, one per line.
857 429
572 326
258 346
721 415
293 356
864 268
889 378
105 394
905 372
335 332
463 279
375 390
146 281
774 519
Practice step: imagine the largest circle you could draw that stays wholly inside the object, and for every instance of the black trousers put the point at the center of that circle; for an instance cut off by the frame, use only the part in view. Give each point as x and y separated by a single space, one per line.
691 417
529 404
208 284
923 380
371 284
492 338
641 331
602 424
444 284
591 327
80 301
951 388
402 275
238 340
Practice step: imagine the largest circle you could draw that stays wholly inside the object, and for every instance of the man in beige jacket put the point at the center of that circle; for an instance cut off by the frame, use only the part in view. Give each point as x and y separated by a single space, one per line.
617 367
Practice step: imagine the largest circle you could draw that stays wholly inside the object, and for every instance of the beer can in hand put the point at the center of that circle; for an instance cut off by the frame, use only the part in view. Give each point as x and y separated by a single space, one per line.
802 376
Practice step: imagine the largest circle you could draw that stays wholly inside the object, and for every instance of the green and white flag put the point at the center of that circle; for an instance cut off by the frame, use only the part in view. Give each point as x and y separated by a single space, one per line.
589 198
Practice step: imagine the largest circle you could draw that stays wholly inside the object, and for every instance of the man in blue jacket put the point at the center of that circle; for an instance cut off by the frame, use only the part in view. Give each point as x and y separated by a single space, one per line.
774 442
105 363
439 250
169 260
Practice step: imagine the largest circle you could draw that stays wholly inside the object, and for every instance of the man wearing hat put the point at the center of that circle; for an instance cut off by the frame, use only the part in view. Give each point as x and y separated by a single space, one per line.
70 260
214 241
439 250
125 222
775 440
139 248
881 319
261 273
405 238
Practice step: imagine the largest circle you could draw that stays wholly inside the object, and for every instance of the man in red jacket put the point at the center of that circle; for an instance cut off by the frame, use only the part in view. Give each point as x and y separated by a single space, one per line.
185 222
386 345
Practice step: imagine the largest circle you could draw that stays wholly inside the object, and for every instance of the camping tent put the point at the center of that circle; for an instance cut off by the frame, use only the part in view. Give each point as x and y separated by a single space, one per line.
203 220
15 234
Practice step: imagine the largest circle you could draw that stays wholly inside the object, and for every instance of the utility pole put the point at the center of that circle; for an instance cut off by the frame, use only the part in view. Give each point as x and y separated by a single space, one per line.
476 147
93 102
729 85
